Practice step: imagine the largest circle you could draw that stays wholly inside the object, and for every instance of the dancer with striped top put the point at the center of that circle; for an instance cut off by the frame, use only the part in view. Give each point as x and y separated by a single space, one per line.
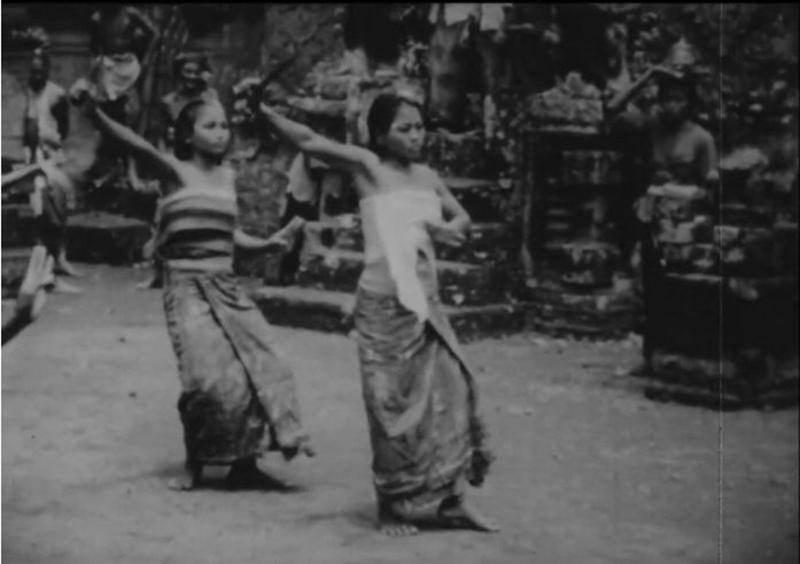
238 398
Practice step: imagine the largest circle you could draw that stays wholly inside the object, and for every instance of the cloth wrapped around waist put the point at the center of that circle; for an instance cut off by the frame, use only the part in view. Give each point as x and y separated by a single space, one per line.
195 229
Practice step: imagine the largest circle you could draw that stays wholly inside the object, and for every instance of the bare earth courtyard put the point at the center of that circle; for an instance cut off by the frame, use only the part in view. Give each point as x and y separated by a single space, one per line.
588 470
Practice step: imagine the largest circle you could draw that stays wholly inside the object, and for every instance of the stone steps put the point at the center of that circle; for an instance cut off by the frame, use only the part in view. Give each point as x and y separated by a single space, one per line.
104 237
484 199
487 243
332 311
459 283
556 309
91 236
731 382
583 263
18 225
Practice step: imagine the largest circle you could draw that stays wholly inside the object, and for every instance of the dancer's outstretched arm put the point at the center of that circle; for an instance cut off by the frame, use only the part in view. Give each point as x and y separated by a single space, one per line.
621 100
20 174
352 158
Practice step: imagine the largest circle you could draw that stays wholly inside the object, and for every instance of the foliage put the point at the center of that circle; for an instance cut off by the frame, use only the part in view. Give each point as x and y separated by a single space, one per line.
27 38
748 57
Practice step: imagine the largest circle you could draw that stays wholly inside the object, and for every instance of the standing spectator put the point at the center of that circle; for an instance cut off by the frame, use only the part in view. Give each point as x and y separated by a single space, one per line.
674 149
192 72
46 126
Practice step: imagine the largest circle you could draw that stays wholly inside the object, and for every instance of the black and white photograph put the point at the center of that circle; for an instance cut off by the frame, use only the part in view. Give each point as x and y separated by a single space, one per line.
396 283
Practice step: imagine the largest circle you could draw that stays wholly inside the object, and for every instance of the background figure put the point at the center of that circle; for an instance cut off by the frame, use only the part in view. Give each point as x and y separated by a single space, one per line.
192 73
461 30
675 149
46 126
123 40
302 200
315 192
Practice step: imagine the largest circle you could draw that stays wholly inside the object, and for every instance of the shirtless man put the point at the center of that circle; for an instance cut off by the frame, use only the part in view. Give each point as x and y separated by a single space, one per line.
191 70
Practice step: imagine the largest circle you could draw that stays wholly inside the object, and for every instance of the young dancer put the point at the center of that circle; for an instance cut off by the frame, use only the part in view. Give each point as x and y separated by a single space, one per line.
238 399
420 396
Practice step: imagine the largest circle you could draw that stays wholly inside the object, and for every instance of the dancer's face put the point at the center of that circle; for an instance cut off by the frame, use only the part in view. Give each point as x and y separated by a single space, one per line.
211 133
675 104
406 135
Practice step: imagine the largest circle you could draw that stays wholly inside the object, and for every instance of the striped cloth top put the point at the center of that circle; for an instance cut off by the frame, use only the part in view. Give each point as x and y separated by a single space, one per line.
195 228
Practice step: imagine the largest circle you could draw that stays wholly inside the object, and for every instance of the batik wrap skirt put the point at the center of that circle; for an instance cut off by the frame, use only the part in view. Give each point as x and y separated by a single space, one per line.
421 403
238 398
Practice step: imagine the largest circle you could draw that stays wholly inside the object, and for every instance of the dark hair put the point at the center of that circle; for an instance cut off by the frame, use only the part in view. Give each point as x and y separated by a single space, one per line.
184 128
43 56
381 116
190 57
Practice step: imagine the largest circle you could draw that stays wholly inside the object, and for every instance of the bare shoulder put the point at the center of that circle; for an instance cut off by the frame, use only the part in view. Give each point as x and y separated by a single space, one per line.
703 135
429 176
169 98
370 163
180 168
230 172
57 90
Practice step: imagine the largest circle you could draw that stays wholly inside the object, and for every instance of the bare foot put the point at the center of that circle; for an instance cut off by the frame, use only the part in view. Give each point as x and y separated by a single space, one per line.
61 287
63 267
461 515
391 525
305 448
151 283
187 481
245 474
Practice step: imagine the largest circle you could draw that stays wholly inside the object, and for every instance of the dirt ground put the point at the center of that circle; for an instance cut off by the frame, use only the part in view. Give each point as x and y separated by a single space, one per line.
588 472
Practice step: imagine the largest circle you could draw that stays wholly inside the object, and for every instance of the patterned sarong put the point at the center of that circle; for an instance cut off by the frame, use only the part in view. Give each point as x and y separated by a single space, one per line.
421 403
238 398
